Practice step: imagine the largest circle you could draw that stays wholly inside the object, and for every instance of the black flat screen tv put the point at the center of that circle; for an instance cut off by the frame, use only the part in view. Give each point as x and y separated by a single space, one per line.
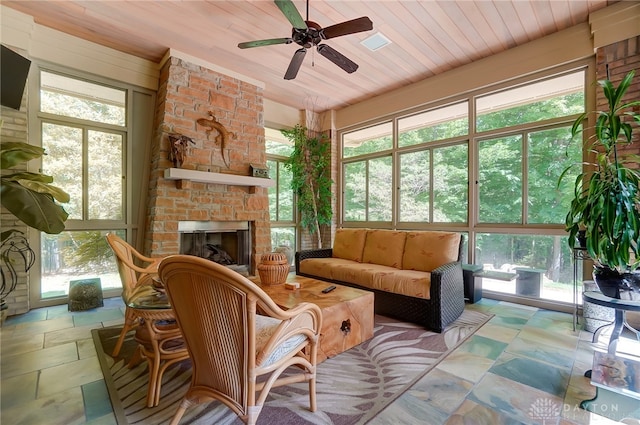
14 69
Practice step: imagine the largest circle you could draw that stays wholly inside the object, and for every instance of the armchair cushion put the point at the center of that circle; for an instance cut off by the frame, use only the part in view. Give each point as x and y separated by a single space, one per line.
265 328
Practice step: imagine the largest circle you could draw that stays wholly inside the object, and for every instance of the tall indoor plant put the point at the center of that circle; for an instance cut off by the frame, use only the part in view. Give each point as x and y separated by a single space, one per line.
311 178
31 198
606 204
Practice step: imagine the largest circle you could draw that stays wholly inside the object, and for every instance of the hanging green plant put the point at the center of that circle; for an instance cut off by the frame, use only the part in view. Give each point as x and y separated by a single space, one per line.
310 167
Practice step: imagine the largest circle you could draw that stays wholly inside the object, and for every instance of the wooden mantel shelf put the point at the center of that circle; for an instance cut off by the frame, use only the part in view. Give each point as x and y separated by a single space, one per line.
217 178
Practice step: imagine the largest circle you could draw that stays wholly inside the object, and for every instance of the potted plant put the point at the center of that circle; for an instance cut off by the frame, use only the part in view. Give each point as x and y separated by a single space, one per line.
311 181
606 203
31 198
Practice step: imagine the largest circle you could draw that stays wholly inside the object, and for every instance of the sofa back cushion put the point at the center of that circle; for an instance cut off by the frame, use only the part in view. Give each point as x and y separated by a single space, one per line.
384 247
349 244
427 250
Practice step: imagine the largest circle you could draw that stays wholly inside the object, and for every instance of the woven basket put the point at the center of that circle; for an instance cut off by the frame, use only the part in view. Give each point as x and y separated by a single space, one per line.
273 269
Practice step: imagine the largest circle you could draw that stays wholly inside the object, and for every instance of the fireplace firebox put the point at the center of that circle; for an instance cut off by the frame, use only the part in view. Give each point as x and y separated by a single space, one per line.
224 242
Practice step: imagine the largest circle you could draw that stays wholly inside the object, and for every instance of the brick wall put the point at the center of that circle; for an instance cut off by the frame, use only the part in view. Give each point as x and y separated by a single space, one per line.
186 93
615 61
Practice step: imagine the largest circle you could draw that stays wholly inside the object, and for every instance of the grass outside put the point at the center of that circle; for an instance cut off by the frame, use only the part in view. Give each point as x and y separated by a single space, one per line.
57 285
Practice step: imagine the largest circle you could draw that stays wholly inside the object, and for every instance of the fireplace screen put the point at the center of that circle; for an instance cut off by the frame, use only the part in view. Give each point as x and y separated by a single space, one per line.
225 242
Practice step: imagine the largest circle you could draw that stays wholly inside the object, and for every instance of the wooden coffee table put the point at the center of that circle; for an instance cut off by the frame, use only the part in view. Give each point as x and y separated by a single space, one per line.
347 313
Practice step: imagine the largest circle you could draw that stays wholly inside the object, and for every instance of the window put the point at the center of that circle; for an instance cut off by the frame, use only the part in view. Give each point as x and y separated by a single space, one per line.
74 98
371 139
517 184
518 181
432 154
415 186
84 134
413 171
88 164
449 189
500 180
282 210
438 124
545 258
550 152
450 184
533 102
368 190
77 254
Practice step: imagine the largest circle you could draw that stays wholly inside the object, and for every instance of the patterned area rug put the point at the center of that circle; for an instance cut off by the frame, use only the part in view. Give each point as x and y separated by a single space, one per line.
352 387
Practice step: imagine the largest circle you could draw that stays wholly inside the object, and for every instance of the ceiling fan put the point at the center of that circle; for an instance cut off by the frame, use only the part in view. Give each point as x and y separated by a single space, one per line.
308 34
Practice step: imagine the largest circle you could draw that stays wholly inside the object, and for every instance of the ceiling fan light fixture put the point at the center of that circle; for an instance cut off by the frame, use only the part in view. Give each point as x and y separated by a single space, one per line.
376 42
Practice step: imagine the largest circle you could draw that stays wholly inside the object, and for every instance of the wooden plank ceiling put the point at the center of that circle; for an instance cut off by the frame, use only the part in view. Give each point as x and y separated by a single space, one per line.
427 37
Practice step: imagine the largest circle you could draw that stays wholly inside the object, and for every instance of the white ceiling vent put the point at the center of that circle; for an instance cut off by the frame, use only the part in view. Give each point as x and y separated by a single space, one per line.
375 42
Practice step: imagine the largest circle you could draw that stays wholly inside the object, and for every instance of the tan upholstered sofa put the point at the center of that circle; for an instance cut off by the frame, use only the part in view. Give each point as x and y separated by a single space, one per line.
415 275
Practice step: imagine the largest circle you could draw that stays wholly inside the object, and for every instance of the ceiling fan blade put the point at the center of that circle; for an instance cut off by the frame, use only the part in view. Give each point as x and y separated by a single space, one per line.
338 58
347 27
294 65
289 10
268 42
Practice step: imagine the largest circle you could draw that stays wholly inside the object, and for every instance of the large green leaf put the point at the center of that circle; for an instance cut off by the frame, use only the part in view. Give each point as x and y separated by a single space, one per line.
26 175
14 153
45 188
37 210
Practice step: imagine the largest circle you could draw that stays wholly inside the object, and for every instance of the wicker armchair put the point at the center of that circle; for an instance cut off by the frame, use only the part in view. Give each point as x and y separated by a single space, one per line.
232 346
160 343
136 281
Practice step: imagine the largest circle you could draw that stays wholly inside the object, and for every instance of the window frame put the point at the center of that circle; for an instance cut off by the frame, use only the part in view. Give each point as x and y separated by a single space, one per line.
586 67
139 103
295 222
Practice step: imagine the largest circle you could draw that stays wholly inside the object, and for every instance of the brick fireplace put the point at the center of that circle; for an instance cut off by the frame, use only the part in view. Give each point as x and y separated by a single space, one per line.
186 93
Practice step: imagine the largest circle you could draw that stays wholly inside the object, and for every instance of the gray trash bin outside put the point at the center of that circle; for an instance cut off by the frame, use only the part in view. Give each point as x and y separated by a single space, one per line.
529 281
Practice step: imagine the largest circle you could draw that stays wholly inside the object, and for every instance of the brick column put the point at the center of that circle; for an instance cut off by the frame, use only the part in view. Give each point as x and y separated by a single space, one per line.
614 62
186 93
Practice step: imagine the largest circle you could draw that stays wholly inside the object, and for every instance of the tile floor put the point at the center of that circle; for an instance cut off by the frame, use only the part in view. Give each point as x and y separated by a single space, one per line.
525 366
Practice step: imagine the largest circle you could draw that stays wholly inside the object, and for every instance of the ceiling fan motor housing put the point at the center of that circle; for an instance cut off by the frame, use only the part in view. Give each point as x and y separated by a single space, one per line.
309 37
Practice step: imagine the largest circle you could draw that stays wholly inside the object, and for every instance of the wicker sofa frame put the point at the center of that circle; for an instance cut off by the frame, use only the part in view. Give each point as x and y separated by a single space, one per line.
445 305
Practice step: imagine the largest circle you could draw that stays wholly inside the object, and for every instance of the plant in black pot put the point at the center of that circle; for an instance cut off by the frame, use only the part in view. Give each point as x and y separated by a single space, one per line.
606 204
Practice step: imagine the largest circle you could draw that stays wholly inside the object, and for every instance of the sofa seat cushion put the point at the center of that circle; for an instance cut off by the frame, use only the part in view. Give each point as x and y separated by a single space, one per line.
362 274
343 270
412 283
322 267
349 244
384 247
426 251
